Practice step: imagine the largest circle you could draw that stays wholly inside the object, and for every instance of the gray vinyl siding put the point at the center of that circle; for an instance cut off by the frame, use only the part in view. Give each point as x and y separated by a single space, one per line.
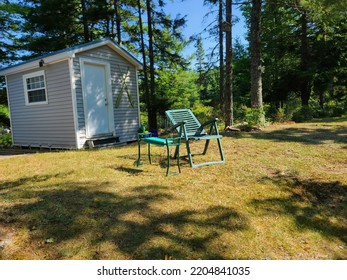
49 124
126 118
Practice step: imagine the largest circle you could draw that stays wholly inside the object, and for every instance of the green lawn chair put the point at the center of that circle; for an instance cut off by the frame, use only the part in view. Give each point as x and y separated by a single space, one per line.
193 130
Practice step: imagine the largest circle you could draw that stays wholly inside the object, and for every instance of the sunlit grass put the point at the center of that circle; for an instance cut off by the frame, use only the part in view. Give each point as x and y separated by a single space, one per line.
280 195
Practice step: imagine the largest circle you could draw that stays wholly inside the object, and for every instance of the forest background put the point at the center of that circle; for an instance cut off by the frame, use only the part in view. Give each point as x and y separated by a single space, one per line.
293 65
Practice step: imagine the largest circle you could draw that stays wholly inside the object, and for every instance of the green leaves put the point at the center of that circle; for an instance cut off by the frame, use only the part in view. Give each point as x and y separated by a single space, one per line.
4 116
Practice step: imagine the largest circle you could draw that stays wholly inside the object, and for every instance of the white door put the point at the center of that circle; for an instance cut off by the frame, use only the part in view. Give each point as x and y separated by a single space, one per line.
96 99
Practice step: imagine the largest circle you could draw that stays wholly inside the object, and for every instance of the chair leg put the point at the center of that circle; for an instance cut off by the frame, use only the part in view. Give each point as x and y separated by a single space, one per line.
168 160
149 153
178 159
177 152
220 150
190 157
138 161
206 147
193 165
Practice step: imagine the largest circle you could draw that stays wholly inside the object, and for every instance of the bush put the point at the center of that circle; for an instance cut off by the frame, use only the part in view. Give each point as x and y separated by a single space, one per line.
276 114
4 116
304 114
203 113
252 116
6 140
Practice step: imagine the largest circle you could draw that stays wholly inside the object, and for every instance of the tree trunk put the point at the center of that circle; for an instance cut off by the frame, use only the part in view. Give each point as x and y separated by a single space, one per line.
118 22
229 116
143 51
152 110
305 90
221 57
256 65
85 22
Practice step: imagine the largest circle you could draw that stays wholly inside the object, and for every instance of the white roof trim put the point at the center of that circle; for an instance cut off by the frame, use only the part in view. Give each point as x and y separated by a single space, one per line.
54 58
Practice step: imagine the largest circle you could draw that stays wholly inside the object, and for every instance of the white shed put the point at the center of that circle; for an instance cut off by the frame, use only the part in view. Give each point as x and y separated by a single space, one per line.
80 96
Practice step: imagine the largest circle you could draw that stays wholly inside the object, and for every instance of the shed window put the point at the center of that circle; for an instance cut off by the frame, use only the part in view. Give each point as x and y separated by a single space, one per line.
35 88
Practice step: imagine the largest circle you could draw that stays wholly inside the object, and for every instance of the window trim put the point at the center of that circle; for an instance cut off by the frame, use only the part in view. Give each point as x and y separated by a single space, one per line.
31 75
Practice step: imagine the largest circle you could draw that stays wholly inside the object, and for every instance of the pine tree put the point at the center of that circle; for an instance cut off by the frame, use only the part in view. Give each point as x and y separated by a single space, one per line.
10 25
51 25
256 61
229 112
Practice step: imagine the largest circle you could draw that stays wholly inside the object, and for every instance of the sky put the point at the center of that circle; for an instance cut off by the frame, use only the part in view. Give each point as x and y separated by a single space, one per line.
195 12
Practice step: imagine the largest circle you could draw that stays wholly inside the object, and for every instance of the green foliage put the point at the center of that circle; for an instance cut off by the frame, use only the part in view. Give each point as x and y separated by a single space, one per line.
252 117
209 87
285 111
325 10
10 24
3 94
6 140
304 114
51 25
203 113
276 114
176 89
332 108
143 114
291 70
4 116
241 74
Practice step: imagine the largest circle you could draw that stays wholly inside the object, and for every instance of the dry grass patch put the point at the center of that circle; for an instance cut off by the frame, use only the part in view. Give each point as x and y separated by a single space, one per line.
280 195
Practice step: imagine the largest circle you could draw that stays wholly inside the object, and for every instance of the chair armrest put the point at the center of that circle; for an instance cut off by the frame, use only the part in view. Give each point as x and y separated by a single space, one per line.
180 124
213 120
201 128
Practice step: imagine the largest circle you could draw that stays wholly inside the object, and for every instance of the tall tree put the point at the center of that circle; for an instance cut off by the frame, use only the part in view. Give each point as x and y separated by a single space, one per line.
256 62
305 82
279 52
200 64
319 20
144 61
164 44
152 110
302 42
85 21
221 55
10 25
229 113
51 25
116 4
225 57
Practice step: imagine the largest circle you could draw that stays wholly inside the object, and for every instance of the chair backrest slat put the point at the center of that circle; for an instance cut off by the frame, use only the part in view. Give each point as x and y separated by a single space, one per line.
186 115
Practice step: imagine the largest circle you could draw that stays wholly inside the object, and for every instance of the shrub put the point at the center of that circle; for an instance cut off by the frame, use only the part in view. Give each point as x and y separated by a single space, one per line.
252 116
304 114
4 116
276 114
203 113
280 115
6 140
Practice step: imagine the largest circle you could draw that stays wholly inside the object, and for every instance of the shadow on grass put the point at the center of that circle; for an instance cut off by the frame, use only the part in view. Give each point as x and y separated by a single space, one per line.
319 135
307 136
133 222
34 179
130 171
331 119
314 205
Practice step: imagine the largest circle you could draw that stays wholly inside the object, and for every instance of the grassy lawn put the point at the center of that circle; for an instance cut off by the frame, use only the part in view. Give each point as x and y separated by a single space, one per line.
280 195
